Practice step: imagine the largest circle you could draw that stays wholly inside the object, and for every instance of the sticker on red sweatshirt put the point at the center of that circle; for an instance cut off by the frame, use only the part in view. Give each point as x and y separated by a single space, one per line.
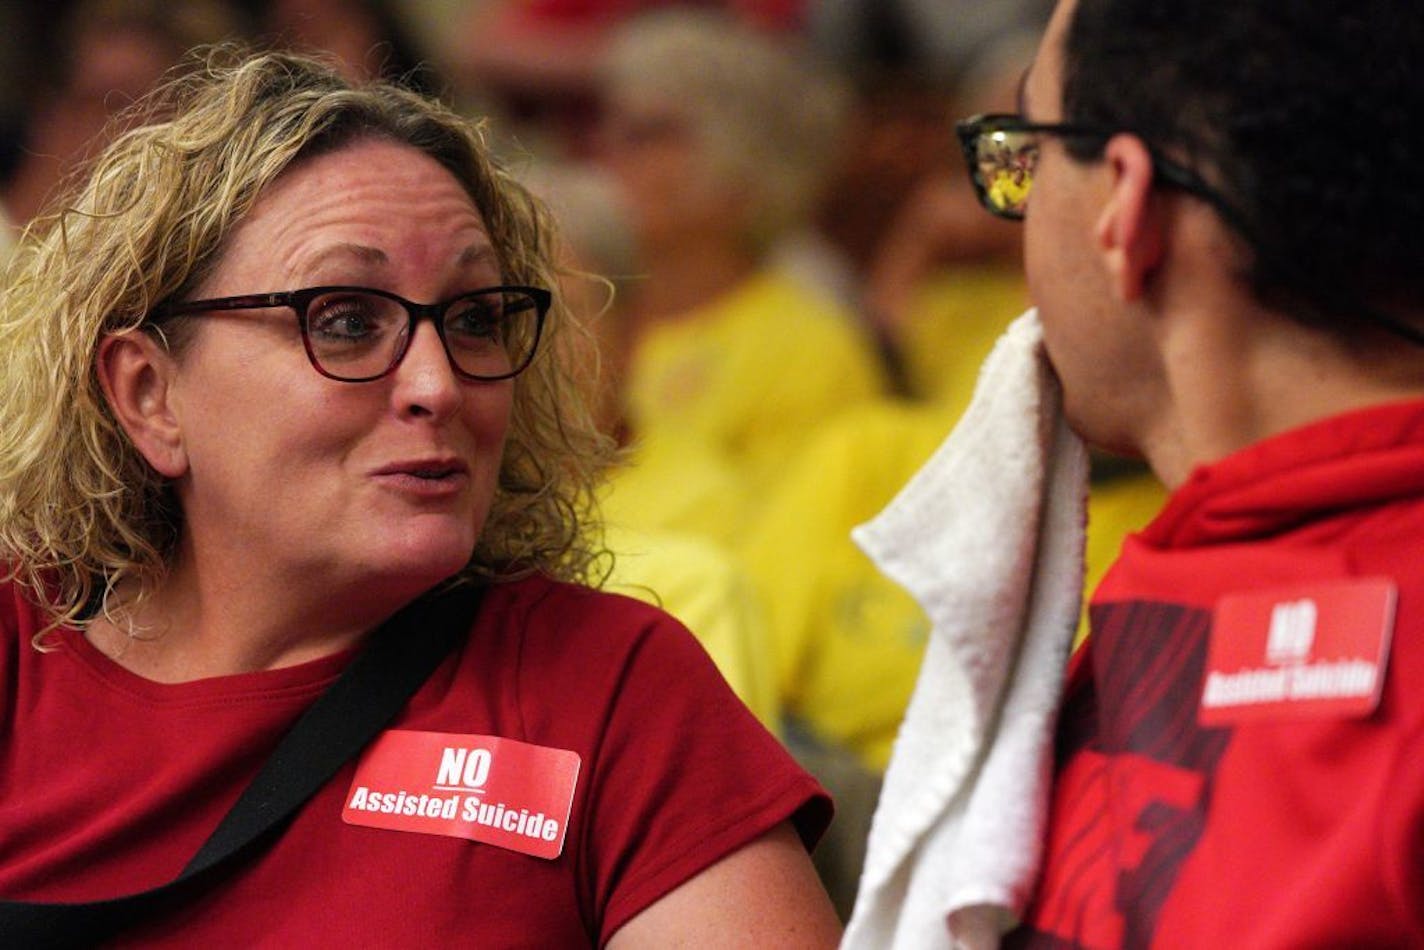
497 791
1306 650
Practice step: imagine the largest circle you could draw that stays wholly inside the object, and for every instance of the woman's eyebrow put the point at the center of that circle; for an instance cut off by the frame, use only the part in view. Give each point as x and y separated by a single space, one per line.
479 254
361 252
472 255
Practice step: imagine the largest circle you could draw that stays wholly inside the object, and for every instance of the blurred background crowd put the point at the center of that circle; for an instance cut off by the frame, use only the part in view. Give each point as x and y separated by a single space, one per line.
768 230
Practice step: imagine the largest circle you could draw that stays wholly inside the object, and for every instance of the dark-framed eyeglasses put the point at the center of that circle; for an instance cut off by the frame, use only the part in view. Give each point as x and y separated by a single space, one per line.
359 334
1002 154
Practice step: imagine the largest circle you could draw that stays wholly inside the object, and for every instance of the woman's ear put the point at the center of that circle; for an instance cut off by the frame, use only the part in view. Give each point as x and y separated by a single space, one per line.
1129 230
137 375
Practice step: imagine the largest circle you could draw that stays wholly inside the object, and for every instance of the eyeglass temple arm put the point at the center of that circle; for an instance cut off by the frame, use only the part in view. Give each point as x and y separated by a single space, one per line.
246 302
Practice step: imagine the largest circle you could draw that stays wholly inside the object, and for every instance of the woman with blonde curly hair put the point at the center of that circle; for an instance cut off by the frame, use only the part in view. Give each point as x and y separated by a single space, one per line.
231 450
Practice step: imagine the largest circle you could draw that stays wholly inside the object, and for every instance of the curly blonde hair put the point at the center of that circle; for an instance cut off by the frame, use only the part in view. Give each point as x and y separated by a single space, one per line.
80 509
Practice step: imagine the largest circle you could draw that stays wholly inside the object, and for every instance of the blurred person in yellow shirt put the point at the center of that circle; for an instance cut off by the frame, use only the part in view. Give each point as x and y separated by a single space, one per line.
719 138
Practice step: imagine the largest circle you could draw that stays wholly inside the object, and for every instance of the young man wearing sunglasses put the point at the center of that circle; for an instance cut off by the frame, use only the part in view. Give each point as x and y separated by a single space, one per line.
1223 215
1223 237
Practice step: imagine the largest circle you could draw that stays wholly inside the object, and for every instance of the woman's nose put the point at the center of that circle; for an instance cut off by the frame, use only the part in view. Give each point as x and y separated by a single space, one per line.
426 383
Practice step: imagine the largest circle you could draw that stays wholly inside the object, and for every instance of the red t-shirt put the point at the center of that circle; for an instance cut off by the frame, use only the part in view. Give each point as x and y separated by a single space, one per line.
110 782
1295 829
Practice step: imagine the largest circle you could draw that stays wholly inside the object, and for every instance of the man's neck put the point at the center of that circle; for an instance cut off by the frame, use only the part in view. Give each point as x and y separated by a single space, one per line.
1239 376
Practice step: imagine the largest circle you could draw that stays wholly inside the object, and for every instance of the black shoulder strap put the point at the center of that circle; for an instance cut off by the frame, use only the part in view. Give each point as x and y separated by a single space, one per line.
400 656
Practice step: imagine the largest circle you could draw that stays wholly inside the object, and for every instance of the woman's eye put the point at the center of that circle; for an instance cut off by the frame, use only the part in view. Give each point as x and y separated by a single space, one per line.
474 320
344 320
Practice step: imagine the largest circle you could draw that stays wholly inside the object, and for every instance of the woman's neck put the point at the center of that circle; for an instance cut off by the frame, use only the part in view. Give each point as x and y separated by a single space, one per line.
195 625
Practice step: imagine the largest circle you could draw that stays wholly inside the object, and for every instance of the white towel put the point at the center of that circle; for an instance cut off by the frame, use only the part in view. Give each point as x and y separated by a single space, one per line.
988 538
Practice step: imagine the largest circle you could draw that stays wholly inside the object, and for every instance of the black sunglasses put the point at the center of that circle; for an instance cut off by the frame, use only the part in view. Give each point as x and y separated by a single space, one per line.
1001 152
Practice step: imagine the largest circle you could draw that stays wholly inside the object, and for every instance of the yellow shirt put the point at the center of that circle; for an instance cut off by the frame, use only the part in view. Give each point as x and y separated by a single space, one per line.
678 483
705 587
845 640
751 374
954 321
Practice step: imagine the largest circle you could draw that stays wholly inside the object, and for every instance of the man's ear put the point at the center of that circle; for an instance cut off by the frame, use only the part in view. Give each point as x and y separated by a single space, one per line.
137 374
1129 229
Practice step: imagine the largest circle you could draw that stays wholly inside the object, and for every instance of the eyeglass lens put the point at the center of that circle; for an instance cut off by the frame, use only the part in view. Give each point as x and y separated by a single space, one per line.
357 335
1004 163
